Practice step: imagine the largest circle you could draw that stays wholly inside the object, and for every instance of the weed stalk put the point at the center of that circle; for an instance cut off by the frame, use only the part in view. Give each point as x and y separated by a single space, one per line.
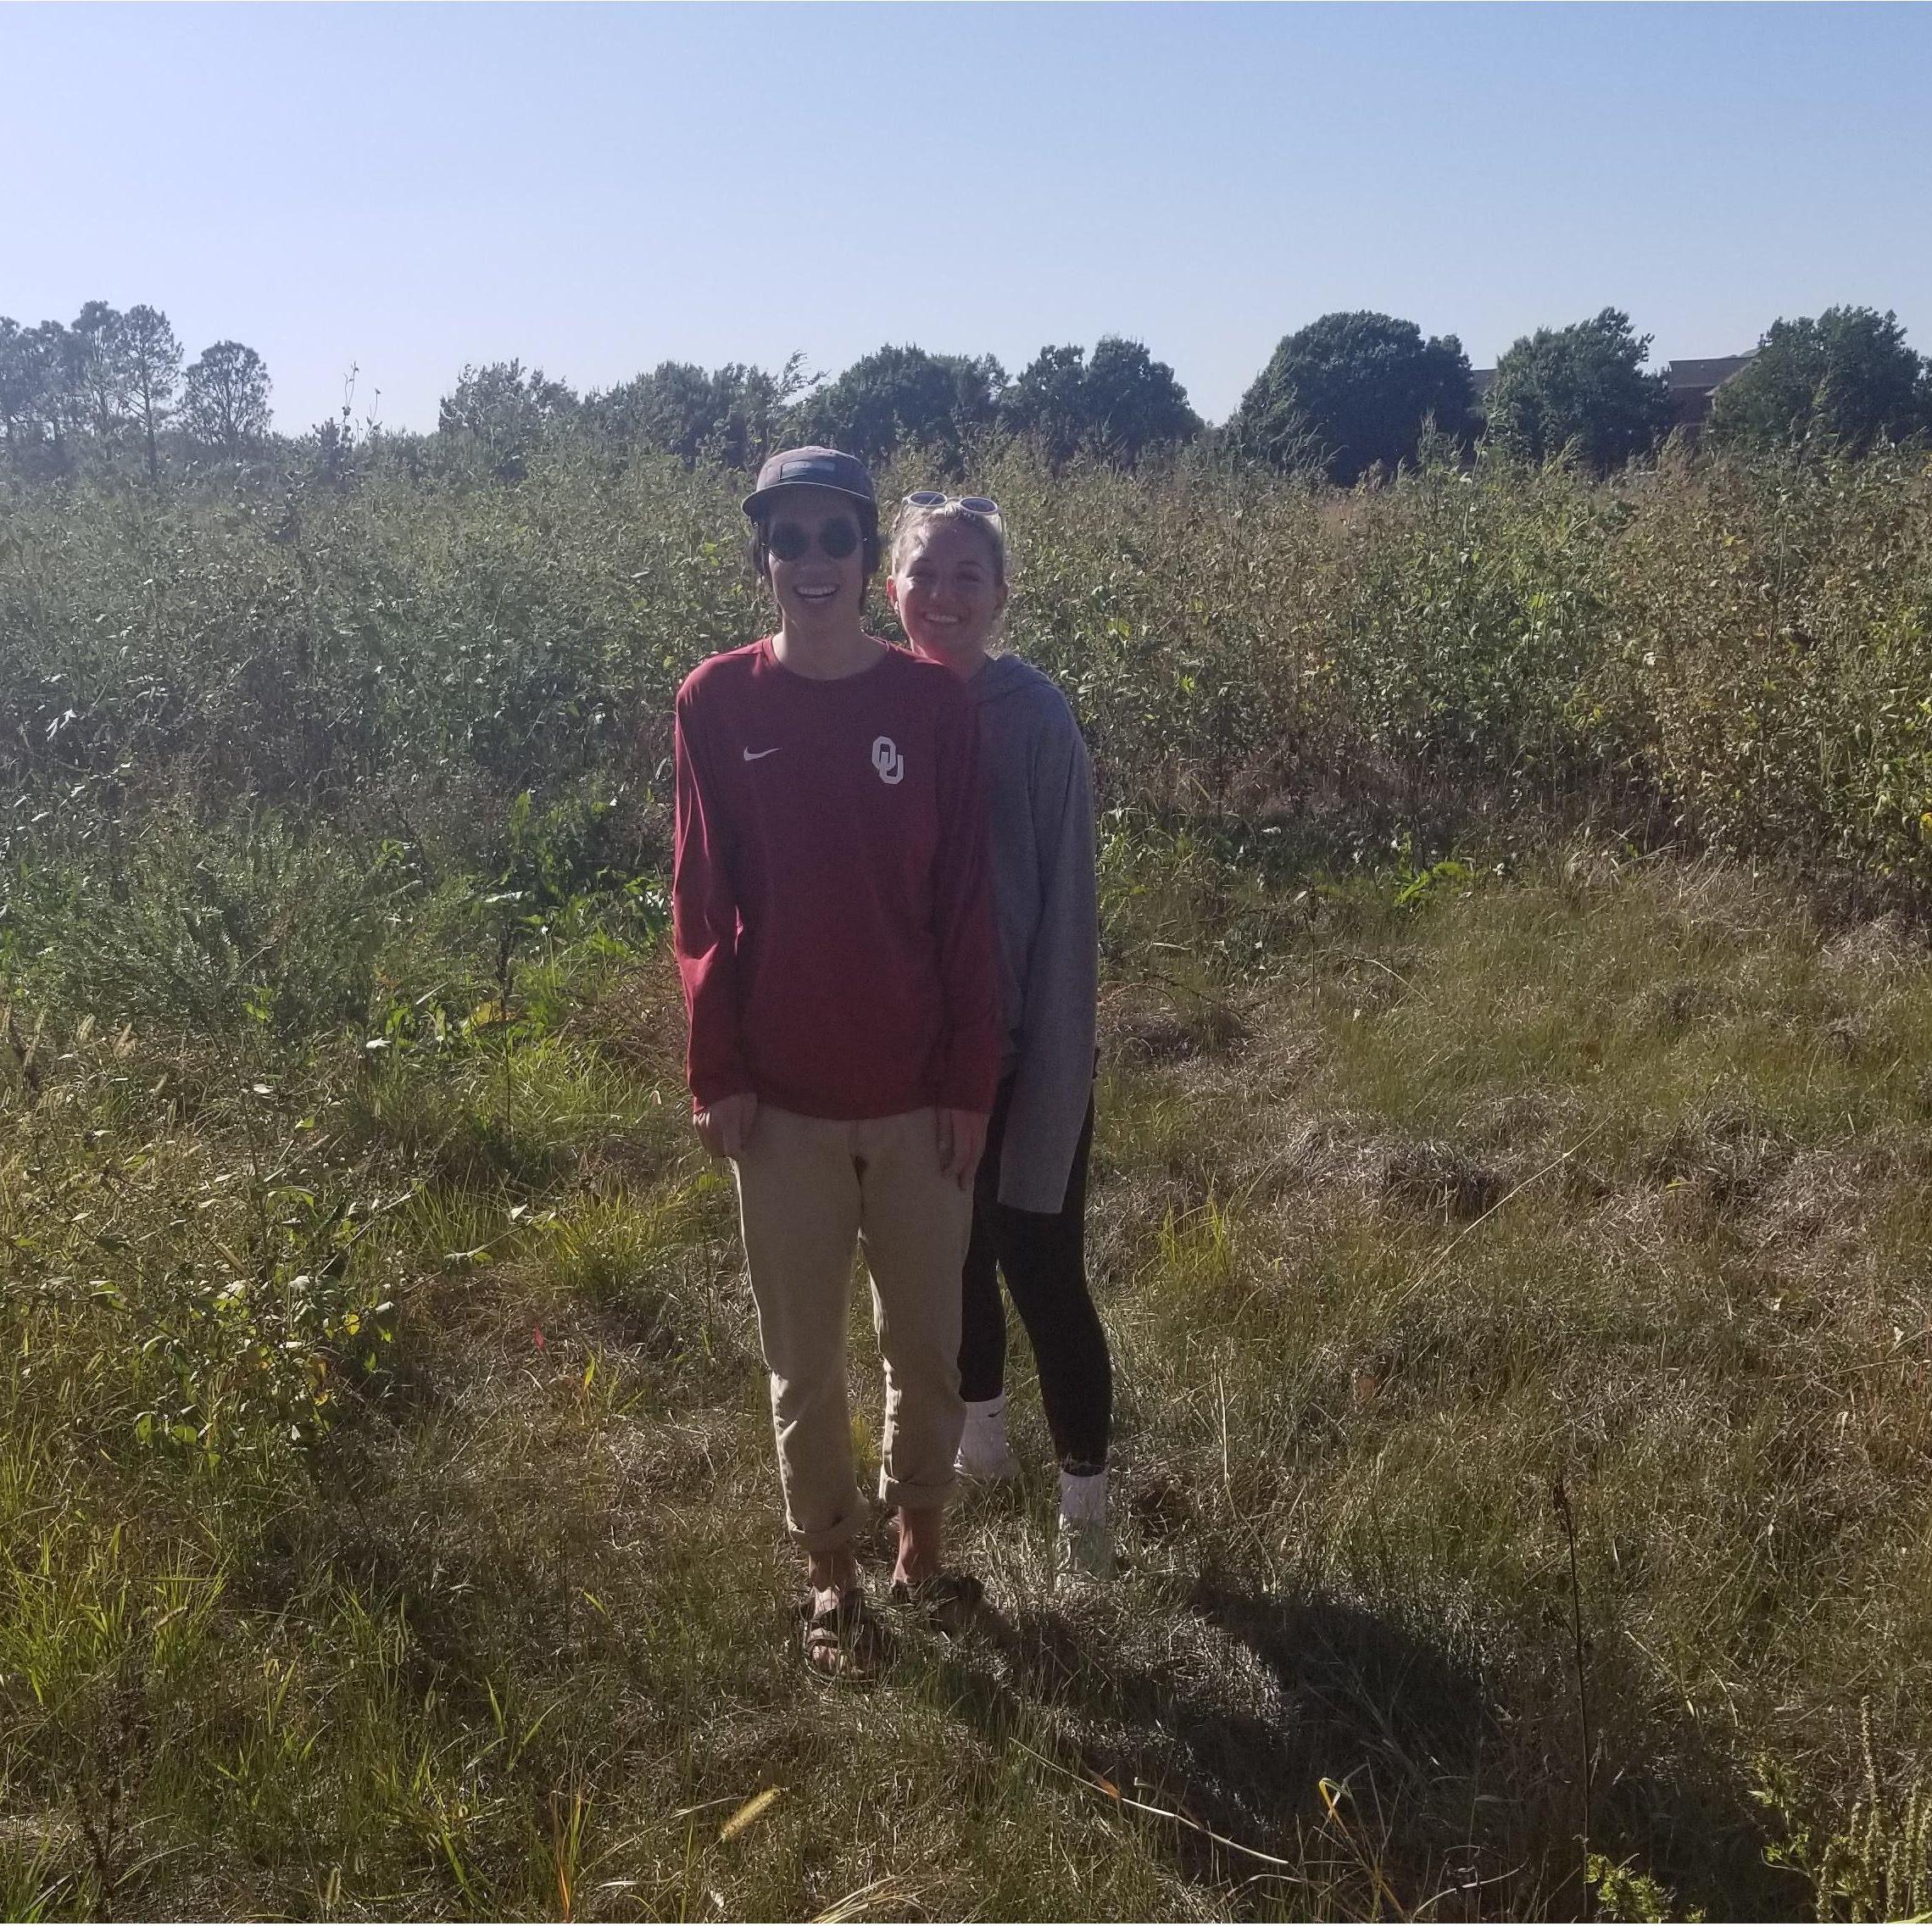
1565 1516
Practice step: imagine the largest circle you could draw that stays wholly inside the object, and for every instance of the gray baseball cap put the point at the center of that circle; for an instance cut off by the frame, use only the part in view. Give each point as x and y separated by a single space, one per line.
817 468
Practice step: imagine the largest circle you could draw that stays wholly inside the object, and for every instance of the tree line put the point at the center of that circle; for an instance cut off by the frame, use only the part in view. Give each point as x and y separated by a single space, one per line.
110 387
1352 395
1116 406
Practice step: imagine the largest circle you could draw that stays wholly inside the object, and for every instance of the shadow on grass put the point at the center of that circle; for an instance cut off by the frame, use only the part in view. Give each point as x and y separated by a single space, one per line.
1308 1757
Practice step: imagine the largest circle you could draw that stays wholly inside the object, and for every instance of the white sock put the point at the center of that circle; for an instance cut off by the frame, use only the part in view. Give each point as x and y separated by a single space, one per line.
1082 1498
983 1441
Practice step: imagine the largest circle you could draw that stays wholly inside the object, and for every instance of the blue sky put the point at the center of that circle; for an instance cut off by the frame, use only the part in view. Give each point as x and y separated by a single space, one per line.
597 189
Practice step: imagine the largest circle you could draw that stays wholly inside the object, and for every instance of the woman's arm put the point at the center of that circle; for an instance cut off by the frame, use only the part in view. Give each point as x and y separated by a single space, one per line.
962 902
1054 1077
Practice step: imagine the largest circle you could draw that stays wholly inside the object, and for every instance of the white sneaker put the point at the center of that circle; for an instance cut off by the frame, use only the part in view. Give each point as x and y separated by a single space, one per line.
984 1453
1083 1550
1083 1555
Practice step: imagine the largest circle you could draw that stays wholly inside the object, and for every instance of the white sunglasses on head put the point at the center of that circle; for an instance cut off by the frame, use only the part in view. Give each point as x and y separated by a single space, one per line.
938 499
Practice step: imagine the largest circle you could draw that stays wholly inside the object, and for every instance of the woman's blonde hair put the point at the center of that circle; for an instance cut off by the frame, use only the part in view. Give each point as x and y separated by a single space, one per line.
914 520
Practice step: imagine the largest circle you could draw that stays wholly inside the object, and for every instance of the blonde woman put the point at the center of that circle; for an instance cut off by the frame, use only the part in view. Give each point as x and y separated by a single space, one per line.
948 582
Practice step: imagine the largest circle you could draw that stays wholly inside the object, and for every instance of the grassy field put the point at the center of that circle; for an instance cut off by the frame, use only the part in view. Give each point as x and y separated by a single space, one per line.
1513 1194
1517 1281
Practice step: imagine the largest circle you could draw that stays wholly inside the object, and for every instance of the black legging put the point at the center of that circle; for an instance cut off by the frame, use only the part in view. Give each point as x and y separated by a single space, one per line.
1043 1257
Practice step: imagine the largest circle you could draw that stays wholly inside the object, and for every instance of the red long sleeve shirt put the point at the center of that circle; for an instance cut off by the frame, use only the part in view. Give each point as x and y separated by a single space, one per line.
831 912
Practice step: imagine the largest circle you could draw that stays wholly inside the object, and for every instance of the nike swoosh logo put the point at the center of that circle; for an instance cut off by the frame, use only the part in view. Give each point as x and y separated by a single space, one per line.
751 757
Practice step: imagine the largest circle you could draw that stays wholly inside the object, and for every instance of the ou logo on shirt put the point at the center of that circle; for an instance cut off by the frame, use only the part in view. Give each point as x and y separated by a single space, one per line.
887 761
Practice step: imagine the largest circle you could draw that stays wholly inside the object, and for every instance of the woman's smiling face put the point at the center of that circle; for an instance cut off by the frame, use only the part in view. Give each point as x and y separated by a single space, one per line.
948 593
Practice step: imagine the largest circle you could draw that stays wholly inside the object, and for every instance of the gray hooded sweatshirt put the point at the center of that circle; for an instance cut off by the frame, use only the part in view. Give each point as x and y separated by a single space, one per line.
1040 799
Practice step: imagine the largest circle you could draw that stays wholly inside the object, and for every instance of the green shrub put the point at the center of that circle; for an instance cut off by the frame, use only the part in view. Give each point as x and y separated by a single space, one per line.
1472 616
1742 644
1770 656
223 929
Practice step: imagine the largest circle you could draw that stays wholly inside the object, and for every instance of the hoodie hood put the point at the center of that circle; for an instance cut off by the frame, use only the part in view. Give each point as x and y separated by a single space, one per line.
1008 676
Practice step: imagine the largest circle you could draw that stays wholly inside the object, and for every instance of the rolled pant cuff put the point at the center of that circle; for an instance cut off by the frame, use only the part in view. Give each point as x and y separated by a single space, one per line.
914 1495
813 1542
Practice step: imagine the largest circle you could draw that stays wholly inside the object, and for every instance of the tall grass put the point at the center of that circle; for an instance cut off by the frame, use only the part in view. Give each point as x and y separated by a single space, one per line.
1740 651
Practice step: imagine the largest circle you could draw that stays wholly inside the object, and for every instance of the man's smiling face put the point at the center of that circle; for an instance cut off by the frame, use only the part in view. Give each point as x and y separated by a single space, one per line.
815 551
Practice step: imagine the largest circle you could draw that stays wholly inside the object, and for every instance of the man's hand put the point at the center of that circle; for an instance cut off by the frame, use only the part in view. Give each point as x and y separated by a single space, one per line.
962 1140
725 1126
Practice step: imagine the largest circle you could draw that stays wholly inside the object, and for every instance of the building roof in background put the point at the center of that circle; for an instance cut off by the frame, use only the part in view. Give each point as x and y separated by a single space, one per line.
1690 377
1705 372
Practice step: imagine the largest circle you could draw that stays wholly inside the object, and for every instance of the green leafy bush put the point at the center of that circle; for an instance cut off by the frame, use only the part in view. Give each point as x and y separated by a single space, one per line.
1772 658
1743 645
221 928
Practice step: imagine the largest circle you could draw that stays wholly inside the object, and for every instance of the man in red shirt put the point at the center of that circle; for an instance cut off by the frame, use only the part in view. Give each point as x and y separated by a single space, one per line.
832 924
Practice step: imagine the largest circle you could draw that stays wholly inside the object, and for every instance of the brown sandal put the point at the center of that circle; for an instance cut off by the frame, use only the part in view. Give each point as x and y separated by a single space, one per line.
843 1640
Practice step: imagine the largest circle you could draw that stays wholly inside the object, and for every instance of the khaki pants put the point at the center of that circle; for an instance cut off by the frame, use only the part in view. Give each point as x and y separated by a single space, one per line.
807 1189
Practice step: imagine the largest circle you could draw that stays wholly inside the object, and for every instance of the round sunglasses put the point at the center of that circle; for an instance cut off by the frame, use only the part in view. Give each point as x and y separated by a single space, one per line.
837 536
